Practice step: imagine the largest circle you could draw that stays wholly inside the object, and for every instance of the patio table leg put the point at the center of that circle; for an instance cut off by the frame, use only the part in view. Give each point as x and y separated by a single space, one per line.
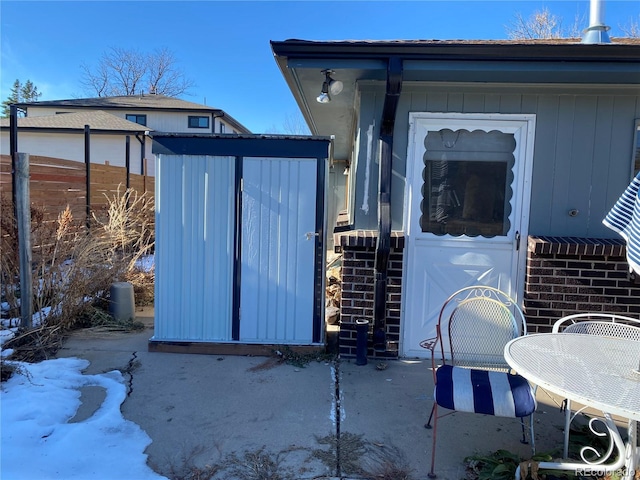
632 451
625 457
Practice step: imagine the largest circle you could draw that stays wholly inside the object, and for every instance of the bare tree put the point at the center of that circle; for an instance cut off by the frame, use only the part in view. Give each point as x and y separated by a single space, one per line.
164 77
632 29
543 24
540 24
293 124
122 71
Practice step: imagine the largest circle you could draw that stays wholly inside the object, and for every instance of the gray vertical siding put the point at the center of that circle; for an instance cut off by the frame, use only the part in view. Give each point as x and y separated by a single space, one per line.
583 147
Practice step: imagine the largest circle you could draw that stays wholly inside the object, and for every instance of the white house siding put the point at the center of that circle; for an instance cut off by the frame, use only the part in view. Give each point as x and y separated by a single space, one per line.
35 111
103 148
194 247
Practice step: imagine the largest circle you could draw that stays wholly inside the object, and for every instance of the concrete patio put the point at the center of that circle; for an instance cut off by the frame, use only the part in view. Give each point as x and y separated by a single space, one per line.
328 419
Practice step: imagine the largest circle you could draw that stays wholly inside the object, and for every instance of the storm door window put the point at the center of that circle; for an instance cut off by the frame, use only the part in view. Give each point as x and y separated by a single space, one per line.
198 122
467 180
139 119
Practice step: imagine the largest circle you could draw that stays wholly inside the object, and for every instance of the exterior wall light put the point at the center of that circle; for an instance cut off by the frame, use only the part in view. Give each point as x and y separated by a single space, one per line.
329 87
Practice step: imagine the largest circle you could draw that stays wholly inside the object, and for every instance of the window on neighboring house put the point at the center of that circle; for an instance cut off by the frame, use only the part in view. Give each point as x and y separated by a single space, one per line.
198 122
139 119
223 128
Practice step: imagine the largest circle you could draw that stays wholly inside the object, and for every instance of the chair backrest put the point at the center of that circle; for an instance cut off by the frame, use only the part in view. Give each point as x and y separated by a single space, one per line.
475 324
603 324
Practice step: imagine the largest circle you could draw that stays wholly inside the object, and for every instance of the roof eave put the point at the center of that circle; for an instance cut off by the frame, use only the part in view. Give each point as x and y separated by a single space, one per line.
415 50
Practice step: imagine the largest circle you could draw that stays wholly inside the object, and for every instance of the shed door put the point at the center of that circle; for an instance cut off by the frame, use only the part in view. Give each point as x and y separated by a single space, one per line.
279 235
239 252
467 212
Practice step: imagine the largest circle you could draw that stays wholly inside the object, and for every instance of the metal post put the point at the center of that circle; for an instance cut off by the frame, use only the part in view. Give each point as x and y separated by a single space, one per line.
13 149
23 219
127 160
87 164
362 331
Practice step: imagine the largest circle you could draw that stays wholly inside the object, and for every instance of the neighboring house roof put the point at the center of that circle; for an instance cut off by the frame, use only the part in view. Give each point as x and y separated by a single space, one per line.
500 62
141 102
97 120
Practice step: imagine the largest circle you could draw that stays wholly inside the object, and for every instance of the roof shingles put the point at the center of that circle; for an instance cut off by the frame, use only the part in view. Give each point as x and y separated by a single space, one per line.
96 119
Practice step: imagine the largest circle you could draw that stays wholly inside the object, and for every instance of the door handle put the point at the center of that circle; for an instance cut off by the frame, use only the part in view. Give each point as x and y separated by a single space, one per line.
309 235
517 241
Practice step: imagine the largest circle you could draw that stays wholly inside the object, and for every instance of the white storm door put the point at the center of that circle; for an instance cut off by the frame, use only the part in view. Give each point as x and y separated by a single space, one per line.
278 250
466 215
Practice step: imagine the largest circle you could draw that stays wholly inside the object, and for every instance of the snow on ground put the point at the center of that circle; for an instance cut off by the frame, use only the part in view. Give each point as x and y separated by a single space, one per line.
37 443
36 403
146 263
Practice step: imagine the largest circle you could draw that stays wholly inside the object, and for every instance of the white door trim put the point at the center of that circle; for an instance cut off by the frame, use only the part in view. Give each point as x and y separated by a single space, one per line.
523 127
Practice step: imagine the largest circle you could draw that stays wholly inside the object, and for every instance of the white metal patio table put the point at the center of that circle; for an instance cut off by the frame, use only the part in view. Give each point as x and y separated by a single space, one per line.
600 372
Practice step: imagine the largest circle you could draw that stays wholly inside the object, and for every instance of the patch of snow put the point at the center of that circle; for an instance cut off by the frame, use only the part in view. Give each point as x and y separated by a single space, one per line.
146 263
6 335
38 443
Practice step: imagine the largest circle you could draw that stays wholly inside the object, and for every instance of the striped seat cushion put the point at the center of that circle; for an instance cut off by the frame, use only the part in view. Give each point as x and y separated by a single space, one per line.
480 391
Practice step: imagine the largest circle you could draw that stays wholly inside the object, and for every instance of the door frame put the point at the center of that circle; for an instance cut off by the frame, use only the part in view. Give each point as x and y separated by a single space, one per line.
522 189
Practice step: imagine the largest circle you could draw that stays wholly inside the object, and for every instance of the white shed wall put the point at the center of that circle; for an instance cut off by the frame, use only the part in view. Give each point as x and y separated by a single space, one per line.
277 286
194 247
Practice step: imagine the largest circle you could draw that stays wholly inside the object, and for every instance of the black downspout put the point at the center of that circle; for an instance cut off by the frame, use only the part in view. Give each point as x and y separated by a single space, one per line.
383 243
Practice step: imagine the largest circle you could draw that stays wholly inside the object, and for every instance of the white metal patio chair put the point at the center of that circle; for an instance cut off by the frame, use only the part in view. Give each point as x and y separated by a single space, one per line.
603 324
469 370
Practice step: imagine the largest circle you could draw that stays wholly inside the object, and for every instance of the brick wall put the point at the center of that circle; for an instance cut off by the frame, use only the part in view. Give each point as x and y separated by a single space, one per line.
568 275
358 273
565 275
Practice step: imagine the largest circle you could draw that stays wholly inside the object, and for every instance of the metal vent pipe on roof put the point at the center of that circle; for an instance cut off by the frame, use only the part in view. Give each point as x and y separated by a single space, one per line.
597 30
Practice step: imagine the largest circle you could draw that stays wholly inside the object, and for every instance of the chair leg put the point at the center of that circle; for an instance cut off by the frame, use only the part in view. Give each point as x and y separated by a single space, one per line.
428 424
532 435
524 435
434 414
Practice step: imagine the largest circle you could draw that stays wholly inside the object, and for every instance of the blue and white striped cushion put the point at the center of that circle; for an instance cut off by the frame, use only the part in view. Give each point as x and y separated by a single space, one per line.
624 218
480 391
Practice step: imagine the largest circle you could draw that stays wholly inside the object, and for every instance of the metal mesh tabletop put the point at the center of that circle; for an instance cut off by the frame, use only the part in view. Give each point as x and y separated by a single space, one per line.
601 372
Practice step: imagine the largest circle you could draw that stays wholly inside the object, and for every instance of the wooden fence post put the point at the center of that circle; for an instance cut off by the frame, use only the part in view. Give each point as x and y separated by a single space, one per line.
23 218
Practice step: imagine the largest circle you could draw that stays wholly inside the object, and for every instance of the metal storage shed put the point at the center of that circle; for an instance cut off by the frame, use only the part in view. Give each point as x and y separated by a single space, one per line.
240 242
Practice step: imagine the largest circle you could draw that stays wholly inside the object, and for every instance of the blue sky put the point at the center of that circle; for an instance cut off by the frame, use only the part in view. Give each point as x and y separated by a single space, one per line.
223 46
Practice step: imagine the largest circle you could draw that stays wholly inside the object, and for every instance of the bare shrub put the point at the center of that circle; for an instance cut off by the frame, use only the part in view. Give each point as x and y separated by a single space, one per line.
129 224
74 266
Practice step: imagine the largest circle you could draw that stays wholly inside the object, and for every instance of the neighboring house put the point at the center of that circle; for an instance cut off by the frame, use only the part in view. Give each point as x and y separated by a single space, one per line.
473 162
38 132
